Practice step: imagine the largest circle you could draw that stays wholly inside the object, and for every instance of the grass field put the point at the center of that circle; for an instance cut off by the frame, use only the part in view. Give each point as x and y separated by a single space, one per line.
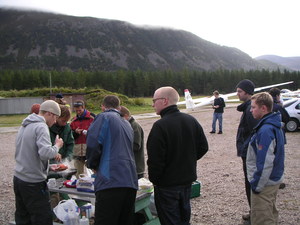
16 120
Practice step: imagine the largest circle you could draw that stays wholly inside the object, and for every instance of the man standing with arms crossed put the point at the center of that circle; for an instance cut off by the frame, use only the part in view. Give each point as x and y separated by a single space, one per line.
33 151
174 145
245 90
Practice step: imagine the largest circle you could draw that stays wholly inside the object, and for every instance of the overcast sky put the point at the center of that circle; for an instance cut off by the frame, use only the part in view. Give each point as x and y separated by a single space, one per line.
257 27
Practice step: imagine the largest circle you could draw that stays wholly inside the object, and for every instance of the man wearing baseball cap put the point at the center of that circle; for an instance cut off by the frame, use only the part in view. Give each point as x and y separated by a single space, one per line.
245 90
33 151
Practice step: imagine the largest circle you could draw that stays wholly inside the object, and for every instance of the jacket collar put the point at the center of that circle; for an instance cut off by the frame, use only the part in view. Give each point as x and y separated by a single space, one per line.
112 110
242 107
83 115
168 110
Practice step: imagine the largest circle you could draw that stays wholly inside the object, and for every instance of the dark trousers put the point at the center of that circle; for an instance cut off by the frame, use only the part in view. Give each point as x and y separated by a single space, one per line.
247 183
115 206
173 204
32 203
141 175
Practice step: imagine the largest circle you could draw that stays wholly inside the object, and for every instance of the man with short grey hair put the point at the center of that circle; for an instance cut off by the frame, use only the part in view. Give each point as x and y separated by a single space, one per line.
33 152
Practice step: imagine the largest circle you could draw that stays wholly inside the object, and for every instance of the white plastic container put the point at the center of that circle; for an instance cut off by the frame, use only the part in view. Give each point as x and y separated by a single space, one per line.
84 221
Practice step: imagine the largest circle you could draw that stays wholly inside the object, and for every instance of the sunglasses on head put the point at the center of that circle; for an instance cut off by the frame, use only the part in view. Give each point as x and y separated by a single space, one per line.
76 104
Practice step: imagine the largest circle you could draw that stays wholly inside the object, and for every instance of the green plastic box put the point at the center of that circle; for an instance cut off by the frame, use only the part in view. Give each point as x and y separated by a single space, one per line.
196 189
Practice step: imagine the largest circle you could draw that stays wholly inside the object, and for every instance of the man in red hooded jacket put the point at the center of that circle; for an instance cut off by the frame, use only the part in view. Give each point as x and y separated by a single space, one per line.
79 125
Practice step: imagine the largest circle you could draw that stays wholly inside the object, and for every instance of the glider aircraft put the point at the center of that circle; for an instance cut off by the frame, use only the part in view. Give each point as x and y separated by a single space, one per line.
191 103
287 94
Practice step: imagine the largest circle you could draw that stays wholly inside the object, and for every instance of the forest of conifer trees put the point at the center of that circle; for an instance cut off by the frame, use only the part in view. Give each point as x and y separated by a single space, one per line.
141 83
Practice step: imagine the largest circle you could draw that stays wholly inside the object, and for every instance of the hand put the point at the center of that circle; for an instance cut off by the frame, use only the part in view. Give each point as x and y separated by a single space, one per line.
59 142
78 130
58 157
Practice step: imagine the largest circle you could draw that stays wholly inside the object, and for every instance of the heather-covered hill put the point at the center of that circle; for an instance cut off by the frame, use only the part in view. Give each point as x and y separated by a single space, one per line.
39 40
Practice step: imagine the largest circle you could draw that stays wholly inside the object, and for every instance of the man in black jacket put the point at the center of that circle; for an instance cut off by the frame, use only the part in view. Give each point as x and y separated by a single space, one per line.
245 90
277 106
174 145
218 106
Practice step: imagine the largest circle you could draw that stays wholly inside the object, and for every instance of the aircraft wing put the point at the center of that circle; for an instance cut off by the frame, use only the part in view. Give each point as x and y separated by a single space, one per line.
270 86
198 102
290 94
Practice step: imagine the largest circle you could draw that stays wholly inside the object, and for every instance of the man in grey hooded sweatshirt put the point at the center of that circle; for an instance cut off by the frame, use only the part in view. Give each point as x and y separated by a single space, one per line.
33 151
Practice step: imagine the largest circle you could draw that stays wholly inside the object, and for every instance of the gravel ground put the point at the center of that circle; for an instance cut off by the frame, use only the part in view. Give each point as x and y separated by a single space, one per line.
222 200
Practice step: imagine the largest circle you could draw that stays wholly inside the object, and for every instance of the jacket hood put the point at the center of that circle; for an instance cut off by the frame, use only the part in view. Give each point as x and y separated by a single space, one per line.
33 118
272 118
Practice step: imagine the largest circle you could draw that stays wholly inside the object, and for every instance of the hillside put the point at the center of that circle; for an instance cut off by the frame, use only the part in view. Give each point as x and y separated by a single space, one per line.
292 63
38 40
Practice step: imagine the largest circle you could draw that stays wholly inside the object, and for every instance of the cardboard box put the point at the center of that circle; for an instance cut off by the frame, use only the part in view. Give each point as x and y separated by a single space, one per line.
196 189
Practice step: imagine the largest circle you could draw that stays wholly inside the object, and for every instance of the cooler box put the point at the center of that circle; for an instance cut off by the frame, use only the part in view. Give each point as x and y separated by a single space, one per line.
196 189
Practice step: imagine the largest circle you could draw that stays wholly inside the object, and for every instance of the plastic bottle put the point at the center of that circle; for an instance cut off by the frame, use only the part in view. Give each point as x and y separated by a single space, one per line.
84 221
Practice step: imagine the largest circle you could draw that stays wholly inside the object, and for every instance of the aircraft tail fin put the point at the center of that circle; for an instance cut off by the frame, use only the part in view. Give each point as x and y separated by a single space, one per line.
188 99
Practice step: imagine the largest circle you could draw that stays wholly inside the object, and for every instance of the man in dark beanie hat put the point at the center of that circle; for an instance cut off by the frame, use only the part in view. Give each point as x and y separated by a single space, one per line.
247 86
245 90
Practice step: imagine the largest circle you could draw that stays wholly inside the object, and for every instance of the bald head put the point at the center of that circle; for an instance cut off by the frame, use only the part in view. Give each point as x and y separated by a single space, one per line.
164 97
168 92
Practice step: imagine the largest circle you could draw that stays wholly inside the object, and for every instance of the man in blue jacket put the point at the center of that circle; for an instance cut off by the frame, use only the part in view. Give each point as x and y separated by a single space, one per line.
265 160
109 153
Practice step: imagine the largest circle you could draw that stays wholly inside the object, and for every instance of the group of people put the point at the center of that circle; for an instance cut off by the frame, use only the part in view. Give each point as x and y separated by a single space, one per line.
46 138
112 143
260 143
73 134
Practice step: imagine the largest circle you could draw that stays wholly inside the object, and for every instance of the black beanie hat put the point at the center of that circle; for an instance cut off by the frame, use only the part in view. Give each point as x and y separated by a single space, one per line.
59 95
247 86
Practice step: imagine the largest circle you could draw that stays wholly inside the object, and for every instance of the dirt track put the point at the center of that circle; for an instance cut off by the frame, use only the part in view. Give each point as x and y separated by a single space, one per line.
222 199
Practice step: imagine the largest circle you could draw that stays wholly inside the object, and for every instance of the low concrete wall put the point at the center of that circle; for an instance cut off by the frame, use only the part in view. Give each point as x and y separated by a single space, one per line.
18 105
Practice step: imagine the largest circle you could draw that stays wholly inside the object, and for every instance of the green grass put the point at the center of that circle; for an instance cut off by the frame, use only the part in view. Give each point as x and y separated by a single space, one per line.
16 120
11 120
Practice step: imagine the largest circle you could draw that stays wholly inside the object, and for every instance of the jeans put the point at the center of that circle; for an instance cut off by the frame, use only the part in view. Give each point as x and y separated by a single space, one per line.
32 203
219 117
173 204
